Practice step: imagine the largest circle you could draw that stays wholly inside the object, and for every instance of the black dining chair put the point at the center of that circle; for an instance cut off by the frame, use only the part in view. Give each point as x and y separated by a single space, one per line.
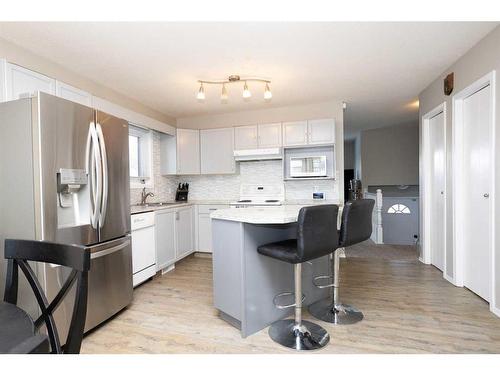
18 332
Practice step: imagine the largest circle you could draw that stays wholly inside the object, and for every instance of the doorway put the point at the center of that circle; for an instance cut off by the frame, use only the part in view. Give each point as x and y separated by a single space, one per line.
474 173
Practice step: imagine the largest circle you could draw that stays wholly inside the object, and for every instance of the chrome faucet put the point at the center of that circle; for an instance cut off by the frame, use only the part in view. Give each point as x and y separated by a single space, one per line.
145 196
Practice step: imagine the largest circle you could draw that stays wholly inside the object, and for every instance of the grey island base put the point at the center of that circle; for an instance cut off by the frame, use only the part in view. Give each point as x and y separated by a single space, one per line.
245 282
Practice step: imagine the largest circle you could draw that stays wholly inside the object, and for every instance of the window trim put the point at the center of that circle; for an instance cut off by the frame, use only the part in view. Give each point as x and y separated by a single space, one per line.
145 154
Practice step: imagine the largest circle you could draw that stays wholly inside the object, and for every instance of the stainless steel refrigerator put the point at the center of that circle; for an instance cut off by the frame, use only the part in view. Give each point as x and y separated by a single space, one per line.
64 177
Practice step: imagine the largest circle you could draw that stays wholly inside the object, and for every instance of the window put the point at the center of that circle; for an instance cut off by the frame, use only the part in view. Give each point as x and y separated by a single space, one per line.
140 157
398 209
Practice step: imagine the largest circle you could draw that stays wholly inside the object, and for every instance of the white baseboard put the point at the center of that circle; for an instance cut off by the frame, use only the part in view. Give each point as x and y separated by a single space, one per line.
450 279
495 310
168 269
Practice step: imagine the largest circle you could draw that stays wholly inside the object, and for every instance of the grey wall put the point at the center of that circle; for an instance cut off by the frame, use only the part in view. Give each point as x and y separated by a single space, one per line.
389 156
480 60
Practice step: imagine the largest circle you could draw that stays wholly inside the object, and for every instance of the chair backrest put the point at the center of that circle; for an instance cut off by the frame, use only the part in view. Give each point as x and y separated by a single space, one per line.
317 231
356 223
19 252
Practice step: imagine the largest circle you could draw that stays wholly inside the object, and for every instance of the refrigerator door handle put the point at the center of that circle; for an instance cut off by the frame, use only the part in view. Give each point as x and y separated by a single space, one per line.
110 250
105 185
95 174
89 168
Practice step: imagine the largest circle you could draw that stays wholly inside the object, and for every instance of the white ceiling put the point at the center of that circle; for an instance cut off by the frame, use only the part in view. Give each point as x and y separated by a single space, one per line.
377 68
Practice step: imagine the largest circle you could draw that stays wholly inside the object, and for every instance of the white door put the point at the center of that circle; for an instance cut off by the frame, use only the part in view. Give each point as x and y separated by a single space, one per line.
437 189
269 135
217 151
22 82
477 185
188 151
245 137
295 133
321 131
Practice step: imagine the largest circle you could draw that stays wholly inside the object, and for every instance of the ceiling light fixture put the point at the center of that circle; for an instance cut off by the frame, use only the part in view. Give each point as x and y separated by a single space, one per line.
234 79
223 95
246 92
268 95
201 93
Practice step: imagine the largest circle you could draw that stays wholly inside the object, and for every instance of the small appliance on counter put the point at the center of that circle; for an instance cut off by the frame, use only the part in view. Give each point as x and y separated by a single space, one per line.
355 189
181 195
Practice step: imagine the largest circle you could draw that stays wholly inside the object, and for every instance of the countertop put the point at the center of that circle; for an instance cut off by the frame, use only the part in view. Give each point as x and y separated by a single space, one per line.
287 206
285 214
138 209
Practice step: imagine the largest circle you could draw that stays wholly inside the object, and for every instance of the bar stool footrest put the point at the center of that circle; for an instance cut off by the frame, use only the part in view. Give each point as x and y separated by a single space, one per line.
284 294
323 286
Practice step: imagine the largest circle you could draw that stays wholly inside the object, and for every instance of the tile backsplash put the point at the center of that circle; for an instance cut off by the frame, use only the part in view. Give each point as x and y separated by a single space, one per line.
227 187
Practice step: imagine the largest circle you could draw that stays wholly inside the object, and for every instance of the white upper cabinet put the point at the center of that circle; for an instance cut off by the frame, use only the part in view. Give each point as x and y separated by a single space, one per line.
321 131
312 132
269 135
217 151
257 136
21 82
294 133
188 151
245 137
3 83
65 91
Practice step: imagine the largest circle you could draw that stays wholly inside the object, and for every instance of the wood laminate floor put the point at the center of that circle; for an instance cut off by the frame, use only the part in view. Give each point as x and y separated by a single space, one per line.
408 307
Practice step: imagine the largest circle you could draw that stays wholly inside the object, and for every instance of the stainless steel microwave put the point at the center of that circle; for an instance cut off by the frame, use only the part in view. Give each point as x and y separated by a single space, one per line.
308 166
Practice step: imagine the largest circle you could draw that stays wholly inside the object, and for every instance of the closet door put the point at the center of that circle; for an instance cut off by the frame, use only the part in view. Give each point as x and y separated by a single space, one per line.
437 186
477 184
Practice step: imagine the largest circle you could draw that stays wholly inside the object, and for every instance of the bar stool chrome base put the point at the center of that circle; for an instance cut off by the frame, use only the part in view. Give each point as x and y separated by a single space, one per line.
338 314
306 336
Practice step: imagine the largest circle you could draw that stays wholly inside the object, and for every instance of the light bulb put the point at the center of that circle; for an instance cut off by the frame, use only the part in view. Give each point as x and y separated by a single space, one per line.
246 92
223 95
267 93
201 93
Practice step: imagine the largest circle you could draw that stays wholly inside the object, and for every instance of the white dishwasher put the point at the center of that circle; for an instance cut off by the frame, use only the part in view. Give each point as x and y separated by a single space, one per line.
143 247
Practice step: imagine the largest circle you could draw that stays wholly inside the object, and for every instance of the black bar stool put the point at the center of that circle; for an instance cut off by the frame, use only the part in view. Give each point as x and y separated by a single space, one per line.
356 227
315 238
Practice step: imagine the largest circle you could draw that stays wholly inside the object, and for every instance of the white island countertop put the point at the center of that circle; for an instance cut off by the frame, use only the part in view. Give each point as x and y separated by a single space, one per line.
262 215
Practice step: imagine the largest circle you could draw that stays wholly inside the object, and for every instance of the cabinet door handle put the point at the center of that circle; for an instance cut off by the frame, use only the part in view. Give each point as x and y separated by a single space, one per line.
177 216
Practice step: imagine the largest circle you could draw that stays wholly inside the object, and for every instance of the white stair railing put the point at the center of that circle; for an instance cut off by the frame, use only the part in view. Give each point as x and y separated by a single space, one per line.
377 232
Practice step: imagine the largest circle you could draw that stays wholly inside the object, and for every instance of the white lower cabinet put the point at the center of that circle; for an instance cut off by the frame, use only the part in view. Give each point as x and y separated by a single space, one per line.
184 231
174 235
165 239
205 226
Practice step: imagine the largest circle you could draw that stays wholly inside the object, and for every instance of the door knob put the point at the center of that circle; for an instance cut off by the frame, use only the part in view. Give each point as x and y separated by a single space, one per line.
486 195
442 193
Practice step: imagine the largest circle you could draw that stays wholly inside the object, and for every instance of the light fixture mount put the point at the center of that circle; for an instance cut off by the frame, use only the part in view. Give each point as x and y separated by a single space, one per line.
234 78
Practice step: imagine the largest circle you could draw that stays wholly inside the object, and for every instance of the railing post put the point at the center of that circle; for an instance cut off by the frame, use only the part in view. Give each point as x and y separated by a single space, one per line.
379 228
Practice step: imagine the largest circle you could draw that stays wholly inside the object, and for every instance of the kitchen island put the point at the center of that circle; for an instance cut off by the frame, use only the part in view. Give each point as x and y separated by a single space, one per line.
245 282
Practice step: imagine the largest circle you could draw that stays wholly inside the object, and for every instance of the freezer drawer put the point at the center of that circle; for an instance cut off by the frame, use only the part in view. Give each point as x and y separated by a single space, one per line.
110 281
110 285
